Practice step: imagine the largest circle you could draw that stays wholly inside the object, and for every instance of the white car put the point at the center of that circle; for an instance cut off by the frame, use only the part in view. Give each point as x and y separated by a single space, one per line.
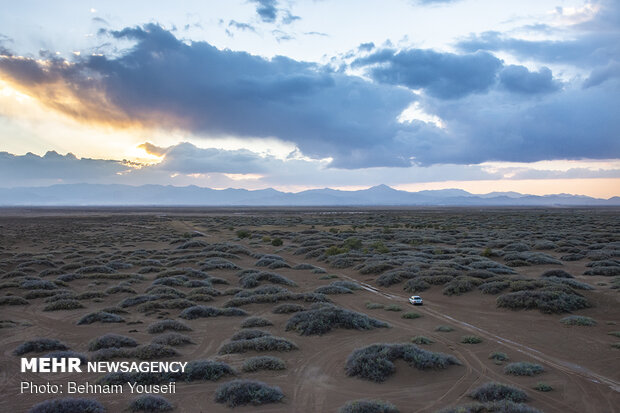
415 300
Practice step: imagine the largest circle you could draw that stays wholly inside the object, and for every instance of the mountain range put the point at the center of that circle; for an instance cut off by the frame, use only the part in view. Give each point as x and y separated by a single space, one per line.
380 195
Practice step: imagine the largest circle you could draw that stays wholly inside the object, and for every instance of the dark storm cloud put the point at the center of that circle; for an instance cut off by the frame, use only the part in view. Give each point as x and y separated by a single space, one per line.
519 79
443 75
491 112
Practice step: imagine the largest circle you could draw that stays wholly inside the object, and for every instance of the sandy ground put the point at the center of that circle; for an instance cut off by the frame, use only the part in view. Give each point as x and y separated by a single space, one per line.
579 362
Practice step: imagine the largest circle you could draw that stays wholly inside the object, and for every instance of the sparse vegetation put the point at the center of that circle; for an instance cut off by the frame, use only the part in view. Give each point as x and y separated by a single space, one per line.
201 311
323 319
421 340
578 320
39 345
101 317
493 391
164 325
263 363
68 405
471 339
111 340
252 322
543 387
368 406
265 343
523 368
150 403
241 392
375 362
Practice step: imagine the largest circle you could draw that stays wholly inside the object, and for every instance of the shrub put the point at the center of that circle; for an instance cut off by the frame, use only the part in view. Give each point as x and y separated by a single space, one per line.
150 403
163 325
321 320
68 405
274 298
374 306
416 285
498 356
368 406
502 406
206 370
111 340
545 301
252 322
138 299
460 285
421 340
101 317
263 363
493 287
287 308
39 345
542 386
393 307
471 340
375 362
172 339
253 278
444 329
154 351
241 392
265 343
13 300
411 315
614 333
243 233
201 311
63 305
333 289
494 391
277 242
578 320
556 273
523 368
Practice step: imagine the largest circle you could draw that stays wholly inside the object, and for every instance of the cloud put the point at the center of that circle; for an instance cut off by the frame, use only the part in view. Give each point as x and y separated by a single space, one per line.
266 9
31 169
487 111
588 49
442 75
289 18
602 74
241 26
519 79
366 47
188 159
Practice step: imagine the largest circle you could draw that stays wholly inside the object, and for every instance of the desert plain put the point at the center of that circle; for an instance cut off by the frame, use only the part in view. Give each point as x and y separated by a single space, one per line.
524 297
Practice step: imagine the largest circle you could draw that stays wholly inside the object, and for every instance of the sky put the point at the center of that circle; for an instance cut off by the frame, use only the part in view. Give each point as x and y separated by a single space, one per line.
480 95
